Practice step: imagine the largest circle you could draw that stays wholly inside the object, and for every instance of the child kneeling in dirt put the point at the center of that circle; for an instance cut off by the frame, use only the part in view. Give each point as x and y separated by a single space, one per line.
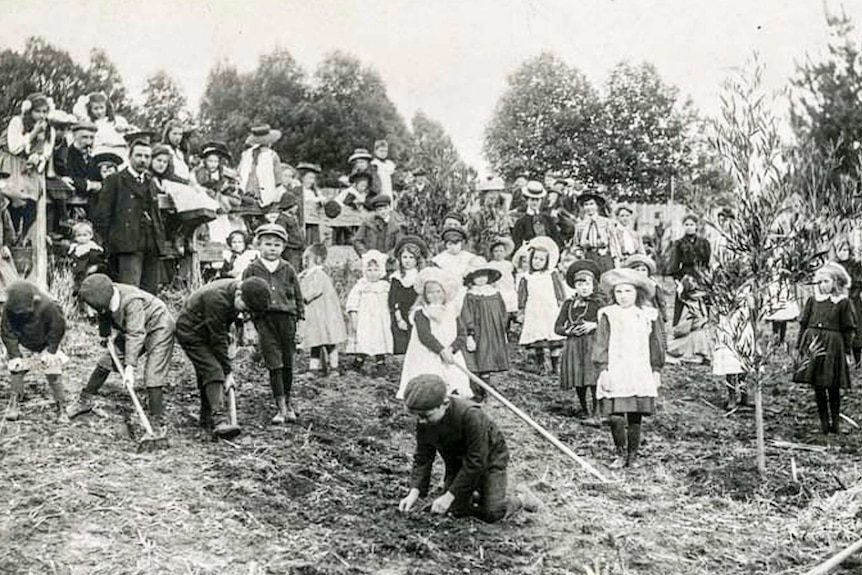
33 320
202 331
473 449
144 326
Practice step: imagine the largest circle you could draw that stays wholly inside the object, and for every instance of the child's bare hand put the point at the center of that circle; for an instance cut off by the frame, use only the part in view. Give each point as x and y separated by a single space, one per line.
402 325
589 326
6 253
471 344
406 504
447 357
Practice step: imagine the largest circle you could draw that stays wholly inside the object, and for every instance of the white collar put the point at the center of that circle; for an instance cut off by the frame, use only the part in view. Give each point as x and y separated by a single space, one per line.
406 278
270 265
825 296
484 290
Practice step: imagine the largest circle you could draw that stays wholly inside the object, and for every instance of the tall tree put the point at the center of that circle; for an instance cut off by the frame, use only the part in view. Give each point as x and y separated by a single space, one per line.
544 120
163 100
641 137
351 110
222 115
449 178
826 107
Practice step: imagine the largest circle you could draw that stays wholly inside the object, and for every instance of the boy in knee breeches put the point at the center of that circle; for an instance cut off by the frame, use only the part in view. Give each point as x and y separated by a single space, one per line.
277 327
34 321
145 329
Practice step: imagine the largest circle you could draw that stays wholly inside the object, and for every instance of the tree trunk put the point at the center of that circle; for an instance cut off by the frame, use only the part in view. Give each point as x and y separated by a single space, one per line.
758 423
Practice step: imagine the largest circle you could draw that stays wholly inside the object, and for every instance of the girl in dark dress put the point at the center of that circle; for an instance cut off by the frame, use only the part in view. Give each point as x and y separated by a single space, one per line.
827 327
410 253
578 321
843 254
484 316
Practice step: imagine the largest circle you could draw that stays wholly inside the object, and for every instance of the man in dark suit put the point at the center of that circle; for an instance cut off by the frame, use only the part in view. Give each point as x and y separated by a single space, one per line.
128 220
73 165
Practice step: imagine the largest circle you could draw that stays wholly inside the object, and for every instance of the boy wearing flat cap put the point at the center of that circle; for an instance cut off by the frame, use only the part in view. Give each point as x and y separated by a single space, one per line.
34 321
277 326
381 231
472 448
144 328
202 331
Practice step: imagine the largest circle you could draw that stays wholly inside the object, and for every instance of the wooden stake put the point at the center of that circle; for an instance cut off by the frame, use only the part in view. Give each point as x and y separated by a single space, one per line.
532 423
836 559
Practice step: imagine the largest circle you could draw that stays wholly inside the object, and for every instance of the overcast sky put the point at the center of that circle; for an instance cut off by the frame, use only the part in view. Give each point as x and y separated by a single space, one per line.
449 58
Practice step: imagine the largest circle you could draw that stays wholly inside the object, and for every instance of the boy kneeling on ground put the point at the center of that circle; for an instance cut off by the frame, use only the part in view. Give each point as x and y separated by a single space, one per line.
471 446
144 328
202 331
34 321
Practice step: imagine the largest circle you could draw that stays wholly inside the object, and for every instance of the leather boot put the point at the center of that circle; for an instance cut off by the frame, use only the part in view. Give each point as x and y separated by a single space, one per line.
13 411
156 404
634 443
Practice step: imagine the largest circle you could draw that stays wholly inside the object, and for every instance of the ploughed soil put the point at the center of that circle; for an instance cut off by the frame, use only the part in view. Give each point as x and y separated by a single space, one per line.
320 497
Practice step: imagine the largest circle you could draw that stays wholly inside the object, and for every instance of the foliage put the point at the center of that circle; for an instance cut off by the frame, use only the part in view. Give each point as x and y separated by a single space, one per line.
544 121
222 116
825 111
42 67
642 135
449 178
164 100
785 209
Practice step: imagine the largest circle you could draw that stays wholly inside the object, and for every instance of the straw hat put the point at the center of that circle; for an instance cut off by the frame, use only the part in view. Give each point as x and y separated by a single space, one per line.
478 266
451 284
535 190
541 243
263 135
491 184
359 154
308 167
612 278
216 148
502 241
636 259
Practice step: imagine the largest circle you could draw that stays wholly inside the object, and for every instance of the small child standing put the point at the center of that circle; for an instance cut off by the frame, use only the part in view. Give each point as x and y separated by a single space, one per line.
410 253
734 332
367 307
540 295
438 337
501 250
454 259
277 328
324 322
484 316
827 327
782 306
629 355
34 321
88 257
238 257
578 321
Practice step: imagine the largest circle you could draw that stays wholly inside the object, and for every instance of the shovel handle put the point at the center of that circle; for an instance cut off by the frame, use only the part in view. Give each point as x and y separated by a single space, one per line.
231 402
532 423
130 387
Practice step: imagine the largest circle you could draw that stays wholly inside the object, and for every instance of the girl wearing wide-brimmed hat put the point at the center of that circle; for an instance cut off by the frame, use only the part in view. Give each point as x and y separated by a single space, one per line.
410 253
827 328
540 295
260 175
629 355
438 339
484 316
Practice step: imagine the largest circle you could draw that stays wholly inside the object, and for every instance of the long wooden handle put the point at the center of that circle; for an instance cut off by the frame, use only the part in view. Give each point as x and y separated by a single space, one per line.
836 560
231 402
532 423
130 387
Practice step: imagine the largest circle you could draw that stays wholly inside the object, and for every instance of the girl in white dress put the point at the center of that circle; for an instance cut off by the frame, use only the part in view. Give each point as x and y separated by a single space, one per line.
540 295
367 307
499 252
438 338
628 354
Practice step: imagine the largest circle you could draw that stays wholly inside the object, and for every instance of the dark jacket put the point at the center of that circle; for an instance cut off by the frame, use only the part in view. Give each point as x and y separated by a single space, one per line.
70 162
139 314
208 314
41 330
469 443
688 255
286 295
525 229
125 210
375 234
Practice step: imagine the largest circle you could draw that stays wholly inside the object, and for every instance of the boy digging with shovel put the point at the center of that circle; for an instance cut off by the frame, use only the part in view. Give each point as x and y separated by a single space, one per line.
202 331
144 326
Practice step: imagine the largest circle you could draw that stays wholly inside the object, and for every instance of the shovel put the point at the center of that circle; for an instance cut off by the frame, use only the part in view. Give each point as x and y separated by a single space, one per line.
150 441
232 429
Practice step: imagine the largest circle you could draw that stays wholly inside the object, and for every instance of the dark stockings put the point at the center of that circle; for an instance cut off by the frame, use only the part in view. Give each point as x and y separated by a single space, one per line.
626 432
828 408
